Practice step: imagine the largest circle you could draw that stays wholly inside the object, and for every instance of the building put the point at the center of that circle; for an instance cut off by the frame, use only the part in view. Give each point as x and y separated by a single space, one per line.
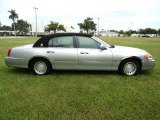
109 34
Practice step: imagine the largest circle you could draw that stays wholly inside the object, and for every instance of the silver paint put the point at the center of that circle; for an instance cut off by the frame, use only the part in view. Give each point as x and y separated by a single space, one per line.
78 58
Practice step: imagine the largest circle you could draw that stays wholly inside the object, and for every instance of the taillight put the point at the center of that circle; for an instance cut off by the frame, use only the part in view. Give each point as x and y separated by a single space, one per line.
9 51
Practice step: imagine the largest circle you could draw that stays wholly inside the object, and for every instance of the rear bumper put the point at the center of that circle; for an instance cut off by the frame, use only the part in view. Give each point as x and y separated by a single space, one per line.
16 62
148 64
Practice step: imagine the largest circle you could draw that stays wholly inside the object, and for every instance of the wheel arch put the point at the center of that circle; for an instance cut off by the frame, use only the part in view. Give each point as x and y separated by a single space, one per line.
38 57
133 58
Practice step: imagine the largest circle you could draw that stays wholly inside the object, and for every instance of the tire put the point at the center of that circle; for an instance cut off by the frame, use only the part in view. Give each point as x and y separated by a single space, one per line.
129 67
41 67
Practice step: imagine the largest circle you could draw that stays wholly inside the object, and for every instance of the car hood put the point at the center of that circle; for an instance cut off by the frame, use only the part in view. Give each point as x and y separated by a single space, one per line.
128 51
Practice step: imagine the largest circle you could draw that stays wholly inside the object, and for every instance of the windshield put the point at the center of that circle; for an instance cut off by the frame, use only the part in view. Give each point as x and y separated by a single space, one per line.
101 41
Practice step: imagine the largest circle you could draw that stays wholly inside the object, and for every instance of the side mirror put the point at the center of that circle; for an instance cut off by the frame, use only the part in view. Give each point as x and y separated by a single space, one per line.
102 47
112 46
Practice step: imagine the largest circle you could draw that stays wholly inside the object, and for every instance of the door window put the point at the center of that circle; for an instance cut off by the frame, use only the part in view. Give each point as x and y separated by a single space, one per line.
65 42
86 42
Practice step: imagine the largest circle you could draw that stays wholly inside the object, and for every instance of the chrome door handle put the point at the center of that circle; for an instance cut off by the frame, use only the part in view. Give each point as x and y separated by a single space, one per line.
50 51
83 52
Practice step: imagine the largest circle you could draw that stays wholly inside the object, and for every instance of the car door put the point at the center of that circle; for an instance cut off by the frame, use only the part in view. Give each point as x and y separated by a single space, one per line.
90 57
61 53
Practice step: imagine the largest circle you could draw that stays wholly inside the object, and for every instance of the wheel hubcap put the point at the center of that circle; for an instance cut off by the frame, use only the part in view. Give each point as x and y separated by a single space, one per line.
130 68
40 67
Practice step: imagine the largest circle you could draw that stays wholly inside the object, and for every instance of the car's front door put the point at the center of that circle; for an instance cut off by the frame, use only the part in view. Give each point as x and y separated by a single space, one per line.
61 53
90 57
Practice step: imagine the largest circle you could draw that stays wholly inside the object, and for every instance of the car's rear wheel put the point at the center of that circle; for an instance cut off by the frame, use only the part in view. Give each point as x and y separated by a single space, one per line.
40 67
129 67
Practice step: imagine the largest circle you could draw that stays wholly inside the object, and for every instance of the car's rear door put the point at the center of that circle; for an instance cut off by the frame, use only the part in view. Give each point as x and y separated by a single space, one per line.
62 52
90 57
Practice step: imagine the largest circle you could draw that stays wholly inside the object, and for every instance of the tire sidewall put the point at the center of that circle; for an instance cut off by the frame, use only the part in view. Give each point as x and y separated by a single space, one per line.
47 64
129 61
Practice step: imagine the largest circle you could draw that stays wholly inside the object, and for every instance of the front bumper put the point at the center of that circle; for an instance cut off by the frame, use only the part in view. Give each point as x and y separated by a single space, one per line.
148 64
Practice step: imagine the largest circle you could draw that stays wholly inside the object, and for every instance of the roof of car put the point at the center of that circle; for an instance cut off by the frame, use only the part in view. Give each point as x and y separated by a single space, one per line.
68 34
44 39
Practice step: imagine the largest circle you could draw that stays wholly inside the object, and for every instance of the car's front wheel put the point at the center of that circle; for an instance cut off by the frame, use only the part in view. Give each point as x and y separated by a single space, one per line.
41 67
129 67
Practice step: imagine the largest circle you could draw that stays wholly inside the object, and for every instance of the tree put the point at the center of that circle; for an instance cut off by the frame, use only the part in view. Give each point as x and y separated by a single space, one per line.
22 26
113 31
72 27
13 16
61 27
88 25
121 32
147 31
54 26
151 31
158 32
130 32
4 27
141 31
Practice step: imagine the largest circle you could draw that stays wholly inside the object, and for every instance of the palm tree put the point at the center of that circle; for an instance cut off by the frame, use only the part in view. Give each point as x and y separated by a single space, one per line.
54 26
13 16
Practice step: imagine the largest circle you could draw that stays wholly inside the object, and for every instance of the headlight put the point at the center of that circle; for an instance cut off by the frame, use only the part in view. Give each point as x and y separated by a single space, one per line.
148 57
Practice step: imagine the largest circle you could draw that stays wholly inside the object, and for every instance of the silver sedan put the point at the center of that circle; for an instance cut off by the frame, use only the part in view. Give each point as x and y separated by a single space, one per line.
76 51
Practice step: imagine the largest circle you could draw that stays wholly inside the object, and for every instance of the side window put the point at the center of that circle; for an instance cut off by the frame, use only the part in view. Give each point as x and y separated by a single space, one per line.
51 41
65 42
85 42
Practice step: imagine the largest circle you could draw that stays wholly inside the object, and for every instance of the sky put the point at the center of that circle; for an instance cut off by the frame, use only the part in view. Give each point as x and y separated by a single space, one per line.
112 14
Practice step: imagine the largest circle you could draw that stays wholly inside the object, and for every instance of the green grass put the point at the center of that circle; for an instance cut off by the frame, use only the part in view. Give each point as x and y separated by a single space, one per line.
80 95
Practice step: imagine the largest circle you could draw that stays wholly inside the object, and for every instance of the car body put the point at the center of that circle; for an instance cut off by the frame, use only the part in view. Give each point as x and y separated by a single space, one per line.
77 51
